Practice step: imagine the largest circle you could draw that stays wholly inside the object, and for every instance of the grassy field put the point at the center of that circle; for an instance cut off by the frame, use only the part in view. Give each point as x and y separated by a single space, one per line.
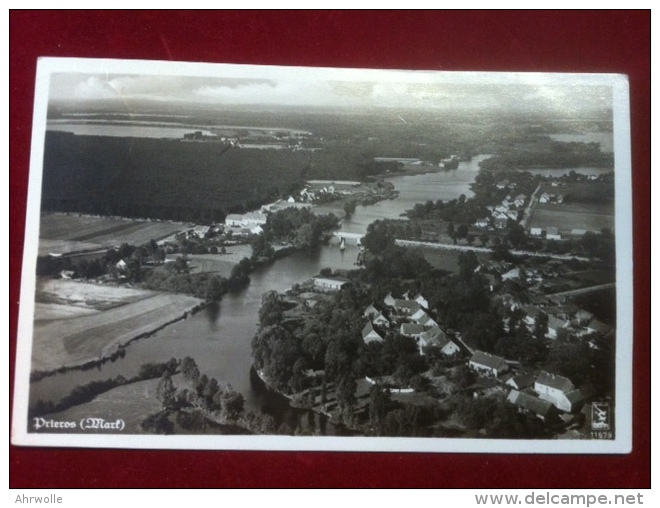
71 233
66 335
131 403
220 264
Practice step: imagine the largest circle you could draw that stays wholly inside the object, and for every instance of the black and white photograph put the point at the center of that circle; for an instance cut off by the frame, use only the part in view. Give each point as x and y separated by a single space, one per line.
297 258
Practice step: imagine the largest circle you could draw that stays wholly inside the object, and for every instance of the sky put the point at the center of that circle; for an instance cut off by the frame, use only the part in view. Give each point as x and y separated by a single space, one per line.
353 88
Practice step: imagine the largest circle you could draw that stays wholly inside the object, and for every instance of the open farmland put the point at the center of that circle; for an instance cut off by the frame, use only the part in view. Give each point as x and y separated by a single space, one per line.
567 218
86 296
73 336
587 205
62 233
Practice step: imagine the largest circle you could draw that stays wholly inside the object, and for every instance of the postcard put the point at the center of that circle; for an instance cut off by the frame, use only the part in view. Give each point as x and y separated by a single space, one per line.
286 258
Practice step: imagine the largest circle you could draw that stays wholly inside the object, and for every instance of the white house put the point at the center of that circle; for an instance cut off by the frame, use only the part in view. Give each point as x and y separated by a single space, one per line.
329 283
369 334
422 301
437 339
482 223
552 233
234 220
554 325
487 364
558 390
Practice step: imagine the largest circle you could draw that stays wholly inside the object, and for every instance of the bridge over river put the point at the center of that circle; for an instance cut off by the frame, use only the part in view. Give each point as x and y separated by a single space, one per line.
352 238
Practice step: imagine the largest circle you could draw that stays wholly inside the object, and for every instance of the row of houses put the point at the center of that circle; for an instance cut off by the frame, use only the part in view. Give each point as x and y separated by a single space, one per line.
409 316
540 394
568 317
509 209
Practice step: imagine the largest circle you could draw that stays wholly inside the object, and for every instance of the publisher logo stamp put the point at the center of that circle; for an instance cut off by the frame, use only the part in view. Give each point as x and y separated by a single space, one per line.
601 421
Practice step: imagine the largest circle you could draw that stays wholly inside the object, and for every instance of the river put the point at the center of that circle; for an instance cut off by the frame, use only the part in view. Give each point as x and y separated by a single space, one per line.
219 337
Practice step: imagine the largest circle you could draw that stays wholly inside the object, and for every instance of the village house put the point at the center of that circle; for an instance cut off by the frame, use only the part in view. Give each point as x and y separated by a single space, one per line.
514 273
435 340
552 233
521 381
519 201
532 314
422 318
422 301
200 231
487 364
596 326
532 405
248 220
482 223
554 325
370 311
412 330
536 231
389 300
512 214
406 307
558 390
369 334
234 220
500 222
376 316
329 283
583 317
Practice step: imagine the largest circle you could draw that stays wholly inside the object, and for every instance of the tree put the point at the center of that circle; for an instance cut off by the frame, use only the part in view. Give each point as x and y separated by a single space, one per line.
349 208
165 391
517 236
467 264
451 231
215 288
270 312
189 369
181 264
378 237
232 403
462 231
541 326
379 403
346 399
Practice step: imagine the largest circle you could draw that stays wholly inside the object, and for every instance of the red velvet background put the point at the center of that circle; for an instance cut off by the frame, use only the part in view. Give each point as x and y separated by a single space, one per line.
568 41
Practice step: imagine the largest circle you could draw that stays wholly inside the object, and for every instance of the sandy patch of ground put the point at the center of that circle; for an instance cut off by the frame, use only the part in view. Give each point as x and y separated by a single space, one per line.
86 295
